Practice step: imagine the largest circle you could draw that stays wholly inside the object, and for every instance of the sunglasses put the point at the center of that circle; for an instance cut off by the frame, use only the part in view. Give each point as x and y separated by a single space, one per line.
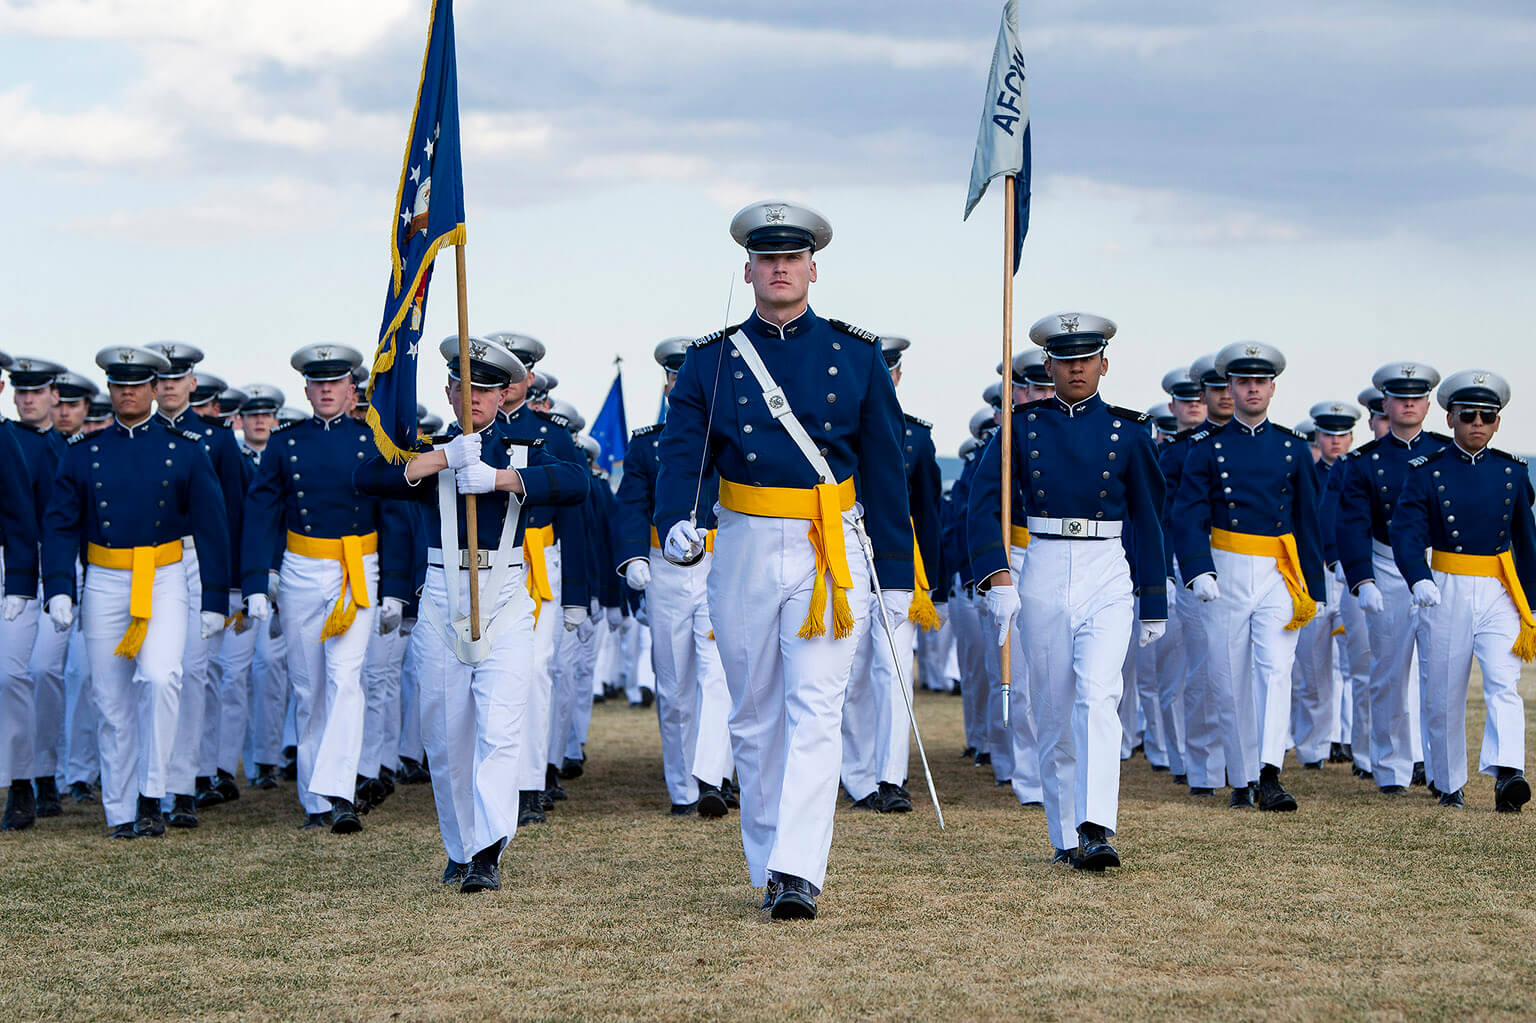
1473 415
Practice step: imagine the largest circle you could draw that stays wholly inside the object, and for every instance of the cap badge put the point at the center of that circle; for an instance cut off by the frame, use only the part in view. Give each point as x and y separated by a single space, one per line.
476 350
24 364
126 355
1069 324
1336 408
323 352
1252 351
1479 378
1409 370
773 214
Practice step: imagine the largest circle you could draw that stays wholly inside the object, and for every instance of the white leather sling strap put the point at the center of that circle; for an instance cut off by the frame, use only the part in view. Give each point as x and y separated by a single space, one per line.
778 406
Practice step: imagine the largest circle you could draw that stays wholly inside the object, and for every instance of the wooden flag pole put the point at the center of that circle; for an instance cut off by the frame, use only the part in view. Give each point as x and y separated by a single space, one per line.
1005 655
466 424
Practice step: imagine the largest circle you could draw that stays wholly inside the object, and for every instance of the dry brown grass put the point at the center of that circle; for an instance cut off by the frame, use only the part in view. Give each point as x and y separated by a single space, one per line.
1356 907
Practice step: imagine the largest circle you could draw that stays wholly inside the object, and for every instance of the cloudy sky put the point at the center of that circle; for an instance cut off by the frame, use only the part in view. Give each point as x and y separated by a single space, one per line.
1349 180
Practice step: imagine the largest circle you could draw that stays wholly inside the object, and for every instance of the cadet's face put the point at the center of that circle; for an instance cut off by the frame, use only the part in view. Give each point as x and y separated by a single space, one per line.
672 382
1020 393
130 402
1379 426
1251 395
780 280
69 417
1188 413
1333 445
1077 379
1473 436
172 395
1218 403
329 398
484 402
35 407
513 394
257 427
895 376
1406 412
1035 392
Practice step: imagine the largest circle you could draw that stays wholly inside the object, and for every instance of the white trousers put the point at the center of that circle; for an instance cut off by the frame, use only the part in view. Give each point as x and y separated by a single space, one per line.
237 656
1148 711
786 692
1168 669
326 675
218 693
936 657
574 660
860 726
1077 610
199 688
136 698
49 652
1204 754
1475 619
1015 749
381 716
1394 694
693 704
270 694
546 636
410 744
18 732
1315 684
1250 655
81 760
971 650
472 717
1353 653
610 651
637 669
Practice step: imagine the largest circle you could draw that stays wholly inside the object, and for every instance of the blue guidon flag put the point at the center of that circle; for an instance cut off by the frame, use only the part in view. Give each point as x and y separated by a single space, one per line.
1002 141
429 213
609 428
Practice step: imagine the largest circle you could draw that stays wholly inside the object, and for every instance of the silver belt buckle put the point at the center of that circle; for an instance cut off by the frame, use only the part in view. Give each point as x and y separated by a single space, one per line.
482 559
1075 527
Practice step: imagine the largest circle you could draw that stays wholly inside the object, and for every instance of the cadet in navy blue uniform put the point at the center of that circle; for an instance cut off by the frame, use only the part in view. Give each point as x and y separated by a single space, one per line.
1246 514
973 640
1373 477
787 589
345 561
693 703
1470 505
1084 473
473 691
19 532
129 495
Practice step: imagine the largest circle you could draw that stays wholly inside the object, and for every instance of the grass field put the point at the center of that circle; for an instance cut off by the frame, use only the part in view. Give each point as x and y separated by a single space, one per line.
1355 907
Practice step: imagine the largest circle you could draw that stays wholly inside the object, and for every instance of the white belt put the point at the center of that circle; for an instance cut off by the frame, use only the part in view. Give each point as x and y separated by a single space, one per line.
187 543
1381 550
435 558
1073 529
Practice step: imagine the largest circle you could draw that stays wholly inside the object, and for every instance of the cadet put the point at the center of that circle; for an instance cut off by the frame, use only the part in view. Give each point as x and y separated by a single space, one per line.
1373 476
972 639
1471 504
760 402
129 495
473 691
76 393
18 627
1086 472
1375 403
346 560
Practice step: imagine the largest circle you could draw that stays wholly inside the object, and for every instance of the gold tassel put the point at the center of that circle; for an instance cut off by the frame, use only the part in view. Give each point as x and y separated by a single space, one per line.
922 612
711 635
537 606
129 645
814 625
1338 631
1525 646
340 619
1303 610
842 615
237 619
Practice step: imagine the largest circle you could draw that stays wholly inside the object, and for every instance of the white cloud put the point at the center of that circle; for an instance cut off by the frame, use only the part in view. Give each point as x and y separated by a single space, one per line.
99 136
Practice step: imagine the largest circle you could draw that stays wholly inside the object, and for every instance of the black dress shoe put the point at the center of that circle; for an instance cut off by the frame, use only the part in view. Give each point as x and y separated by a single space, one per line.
1511 792
1312 765
1242 798
455 872
769 894
122 832
552 783
684 809
1200 791
290 769
1093 849
366 795
386 782
48 804
1453 800
795 901
483 875
183 812
969 753
1273 797
1363 774
647 696
570 768
226 787
730 793
1348 749
20 807
1061 856
204 794
983 759
710 802
867 803
316 821
147 818
1434 790
1033 804
344 819
1336 754
546 801
1419 777
411 772
81 792
1393 790
266 777
892 799
1159 768
529 809
1181 779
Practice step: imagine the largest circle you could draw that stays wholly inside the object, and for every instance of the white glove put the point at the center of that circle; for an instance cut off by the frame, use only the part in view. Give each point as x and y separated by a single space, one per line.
475 478
573 616
1173 591
1426 593
1370 598
1151 632
896 603
211 624
685 542
1003 606
1205 588
62 610
615 617
638 574
585 628
462 450
14 606
391 610
257 606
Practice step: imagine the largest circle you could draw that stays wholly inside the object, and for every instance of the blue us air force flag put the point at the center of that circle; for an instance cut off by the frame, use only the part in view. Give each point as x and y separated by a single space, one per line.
1002 142
429 213
609 429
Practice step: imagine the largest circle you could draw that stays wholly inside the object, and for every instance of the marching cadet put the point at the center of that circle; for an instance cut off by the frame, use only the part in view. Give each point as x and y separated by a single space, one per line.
1205 758
18 626
1245 525
972 639
98 414
174 389
346 561
1146 665
554 556
1373 477
134 605
474 690
1086 472
693 704
760 402
1470 505
79 764
1318 722
75 396
1375 403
